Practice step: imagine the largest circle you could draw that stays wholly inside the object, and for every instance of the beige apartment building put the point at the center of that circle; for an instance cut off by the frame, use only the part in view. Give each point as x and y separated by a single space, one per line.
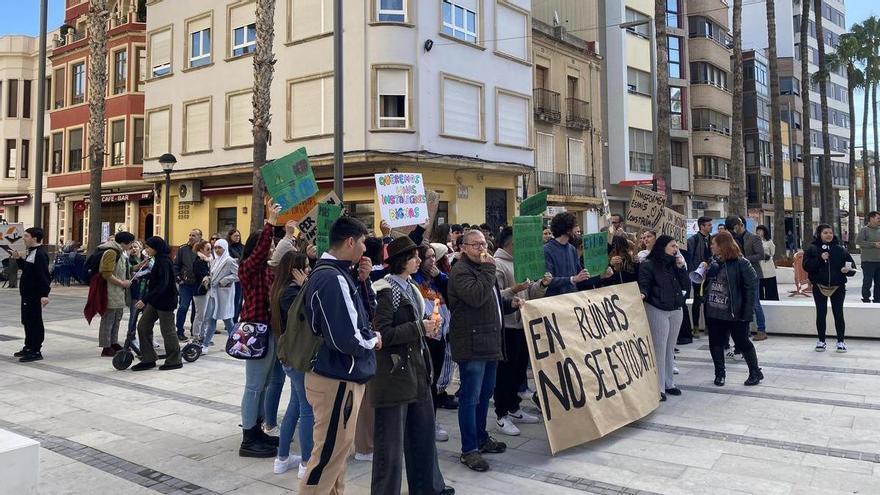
441 87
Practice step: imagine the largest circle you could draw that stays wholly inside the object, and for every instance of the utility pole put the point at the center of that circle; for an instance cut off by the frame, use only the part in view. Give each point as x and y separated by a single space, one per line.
338 184
41 102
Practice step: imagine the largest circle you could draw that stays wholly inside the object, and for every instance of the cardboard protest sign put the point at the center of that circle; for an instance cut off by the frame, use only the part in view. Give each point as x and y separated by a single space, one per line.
299 211
593 362
645 208
673 224
595 252
528 248
327 214
606 208
290 179
11 239
402 199
535 204
309 223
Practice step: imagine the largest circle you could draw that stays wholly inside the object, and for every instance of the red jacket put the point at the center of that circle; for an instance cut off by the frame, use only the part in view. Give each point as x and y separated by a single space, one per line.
256 278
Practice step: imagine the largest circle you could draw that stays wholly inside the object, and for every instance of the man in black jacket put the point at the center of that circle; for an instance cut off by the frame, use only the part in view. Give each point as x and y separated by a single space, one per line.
158 304
183 269
34 289
698 248
753 250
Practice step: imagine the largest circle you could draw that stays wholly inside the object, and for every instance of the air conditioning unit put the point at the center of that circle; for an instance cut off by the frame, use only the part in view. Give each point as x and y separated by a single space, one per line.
189 191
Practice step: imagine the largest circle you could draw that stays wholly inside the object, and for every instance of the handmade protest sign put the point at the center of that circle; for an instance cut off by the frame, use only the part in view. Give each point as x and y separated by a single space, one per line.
402 199
290 179
11 239
595 252
535 204
606 208
593 362
299 211
673 224
645 208
528 248
327 214
309 223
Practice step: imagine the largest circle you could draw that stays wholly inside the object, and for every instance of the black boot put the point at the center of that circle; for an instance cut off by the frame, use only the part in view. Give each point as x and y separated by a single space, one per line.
718 360
252 446
263 436
755 375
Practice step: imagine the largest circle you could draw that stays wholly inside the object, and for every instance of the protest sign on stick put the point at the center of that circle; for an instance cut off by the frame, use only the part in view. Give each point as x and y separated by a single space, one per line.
11 239
535 204
327 214
309 223
402 199
595 252
593 362
645 208
528 248
290 179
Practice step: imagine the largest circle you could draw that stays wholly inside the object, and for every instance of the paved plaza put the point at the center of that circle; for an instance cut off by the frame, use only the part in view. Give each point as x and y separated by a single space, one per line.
810 428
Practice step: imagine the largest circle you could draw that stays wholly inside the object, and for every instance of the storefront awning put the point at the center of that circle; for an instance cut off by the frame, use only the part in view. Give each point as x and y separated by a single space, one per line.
16 200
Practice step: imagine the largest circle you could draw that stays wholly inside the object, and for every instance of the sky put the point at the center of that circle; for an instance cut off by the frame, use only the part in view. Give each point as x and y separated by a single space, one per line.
23 16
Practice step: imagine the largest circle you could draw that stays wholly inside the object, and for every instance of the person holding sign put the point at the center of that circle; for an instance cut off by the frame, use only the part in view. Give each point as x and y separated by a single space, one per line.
663 279
562 259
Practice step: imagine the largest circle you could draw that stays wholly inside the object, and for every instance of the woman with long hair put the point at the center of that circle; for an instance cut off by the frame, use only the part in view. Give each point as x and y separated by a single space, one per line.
828 264
622 262
646 242
202 273
290 275
767 277
221 293
236 249
663 279
730 305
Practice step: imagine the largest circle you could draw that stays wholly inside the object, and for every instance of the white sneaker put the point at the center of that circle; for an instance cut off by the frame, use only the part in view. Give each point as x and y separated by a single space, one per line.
271 431
363 457
282 465
440 433
820 346
841 347
302 472
506 426
204 350
526 395
675 370
521 416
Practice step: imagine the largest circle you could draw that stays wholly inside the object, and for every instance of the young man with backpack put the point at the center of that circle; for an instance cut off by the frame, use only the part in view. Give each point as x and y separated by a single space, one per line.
34 289
345 360
113 268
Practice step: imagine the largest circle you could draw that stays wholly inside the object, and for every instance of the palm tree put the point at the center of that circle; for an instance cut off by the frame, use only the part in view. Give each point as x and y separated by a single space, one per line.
264 69
847 56
99 14
737 167
829 206
662 165
776 134
868 35
805 120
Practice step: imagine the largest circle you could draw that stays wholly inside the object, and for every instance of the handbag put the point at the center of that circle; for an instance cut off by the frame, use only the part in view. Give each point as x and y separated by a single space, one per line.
248 341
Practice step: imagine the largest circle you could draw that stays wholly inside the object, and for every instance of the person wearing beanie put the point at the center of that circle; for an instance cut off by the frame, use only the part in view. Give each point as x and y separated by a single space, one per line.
158 303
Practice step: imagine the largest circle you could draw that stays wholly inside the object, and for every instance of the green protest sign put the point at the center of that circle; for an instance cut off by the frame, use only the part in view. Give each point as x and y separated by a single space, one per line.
528 248
595 253
290 179
327 214
534 205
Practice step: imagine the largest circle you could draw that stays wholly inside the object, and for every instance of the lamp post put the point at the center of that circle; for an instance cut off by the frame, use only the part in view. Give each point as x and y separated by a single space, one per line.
167 161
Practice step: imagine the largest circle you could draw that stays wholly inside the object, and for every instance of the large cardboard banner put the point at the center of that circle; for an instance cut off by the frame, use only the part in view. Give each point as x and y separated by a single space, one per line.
11 239
402 199
673 224
645 208
290 179
528 248
309 223
593 362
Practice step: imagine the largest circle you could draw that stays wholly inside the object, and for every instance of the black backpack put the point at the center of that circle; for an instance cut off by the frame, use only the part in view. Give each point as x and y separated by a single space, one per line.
93 262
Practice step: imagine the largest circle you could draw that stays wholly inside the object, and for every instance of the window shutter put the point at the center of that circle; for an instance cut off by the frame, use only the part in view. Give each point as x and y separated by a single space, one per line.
511 29
576 153
160 48
200 24
159 132
391 81
513 120
239 126
545 152
310 18
242 16
461 109
198 128
306 102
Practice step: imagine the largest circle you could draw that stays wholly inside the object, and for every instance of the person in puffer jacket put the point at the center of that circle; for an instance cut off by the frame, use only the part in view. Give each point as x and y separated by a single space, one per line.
829 265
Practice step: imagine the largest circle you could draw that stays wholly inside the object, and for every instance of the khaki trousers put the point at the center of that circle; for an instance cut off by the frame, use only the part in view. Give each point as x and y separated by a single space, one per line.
366 422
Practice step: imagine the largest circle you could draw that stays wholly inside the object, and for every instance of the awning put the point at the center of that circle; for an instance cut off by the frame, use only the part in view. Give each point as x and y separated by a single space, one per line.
19 199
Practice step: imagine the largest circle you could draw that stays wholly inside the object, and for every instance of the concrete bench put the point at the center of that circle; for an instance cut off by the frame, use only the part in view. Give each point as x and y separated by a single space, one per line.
19 463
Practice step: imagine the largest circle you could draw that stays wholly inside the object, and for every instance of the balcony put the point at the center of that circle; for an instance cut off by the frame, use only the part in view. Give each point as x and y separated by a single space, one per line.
577 113
547 106
567 184
718 188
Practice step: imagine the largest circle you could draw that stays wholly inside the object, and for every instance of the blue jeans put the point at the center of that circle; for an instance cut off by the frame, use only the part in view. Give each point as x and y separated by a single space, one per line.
238 297
759 311
186 299
477 387
273 395
257 374
210 327
298 410
133 314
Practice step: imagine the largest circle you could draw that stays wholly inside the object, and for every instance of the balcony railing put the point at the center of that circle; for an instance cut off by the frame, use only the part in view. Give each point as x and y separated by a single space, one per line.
567 184
577 113
547 105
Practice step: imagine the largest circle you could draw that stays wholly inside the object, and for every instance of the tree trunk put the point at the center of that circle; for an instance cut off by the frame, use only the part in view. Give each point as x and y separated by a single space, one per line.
805 123
851 77
876 158
830 209
737 167
99 13
662 165
264 68
866 166
776 136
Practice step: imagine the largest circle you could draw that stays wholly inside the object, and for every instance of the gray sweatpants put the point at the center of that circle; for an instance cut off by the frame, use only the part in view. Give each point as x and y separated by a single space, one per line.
108 331
664 332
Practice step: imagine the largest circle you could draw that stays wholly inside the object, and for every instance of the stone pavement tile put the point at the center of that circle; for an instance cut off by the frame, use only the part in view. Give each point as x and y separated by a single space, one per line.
765 469
95 438
823 462
814 437
709 481
78 479
50 460
193 427
218 479
848 482
730 448
260 488
668 453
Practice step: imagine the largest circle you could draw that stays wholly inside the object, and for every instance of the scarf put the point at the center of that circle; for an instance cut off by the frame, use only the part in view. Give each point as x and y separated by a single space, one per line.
220 260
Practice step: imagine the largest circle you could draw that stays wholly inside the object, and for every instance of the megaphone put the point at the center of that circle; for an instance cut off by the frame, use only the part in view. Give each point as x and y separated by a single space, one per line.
699 275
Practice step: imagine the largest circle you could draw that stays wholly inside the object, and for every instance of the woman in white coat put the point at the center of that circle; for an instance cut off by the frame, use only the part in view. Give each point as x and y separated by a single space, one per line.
221 292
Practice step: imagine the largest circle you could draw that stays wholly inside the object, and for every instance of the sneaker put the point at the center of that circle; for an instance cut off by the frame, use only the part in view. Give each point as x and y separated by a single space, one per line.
301 474
675 350
273 432
31 356
820 346
474 461
181 337
662 397
675 370
492 446
168 367
865 300
525 394
204 350
108 352
440 433
761 335
730 354
21 353
673 391
505 425
363 457
841 347
523 417
142 366
448 401
282 465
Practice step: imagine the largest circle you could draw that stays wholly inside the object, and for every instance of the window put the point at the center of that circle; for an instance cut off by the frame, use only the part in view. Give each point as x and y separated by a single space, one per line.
572 86
789 86
26 99
25 157
75 150
141 73
48 103
673 11
541 77
12 99
710 167
137 145
710 120
47 155
513 119
310 107
199 42
11 165
239 111
767 189
703 27
544 153
641 150
120 71
705 73
78 83
638 81
676 152
676 106
312 18
459 21
197 126
59 88
674 50
391 95
226 219
761 80
511 32
577 153
158 132
57 153
391 10
117 142
640 30
462 104
244 40
160 53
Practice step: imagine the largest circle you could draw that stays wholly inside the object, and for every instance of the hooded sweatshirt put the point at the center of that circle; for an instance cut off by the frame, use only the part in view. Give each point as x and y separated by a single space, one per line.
827 272
161 289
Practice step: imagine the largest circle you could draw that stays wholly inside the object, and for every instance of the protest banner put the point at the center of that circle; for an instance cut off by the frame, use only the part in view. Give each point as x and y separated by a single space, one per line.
645 208
673 224
309 223
595 252
535 204
593 362
402 199
528 248
299 211
290 179
327 214
11 239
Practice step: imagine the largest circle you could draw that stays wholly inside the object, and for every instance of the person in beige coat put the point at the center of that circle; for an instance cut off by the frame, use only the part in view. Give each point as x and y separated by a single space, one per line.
114 269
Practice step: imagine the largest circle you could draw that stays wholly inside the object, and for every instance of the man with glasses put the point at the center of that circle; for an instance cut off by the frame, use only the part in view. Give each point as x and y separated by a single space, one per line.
186 278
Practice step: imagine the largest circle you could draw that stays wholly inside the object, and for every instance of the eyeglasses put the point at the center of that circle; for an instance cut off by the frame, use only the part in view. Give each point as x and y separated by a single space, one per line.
476 244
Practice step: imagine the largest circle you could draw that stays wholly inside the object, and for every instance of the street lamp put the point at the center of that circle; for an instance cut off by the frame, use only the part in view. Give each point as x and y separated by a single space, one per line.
167 161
